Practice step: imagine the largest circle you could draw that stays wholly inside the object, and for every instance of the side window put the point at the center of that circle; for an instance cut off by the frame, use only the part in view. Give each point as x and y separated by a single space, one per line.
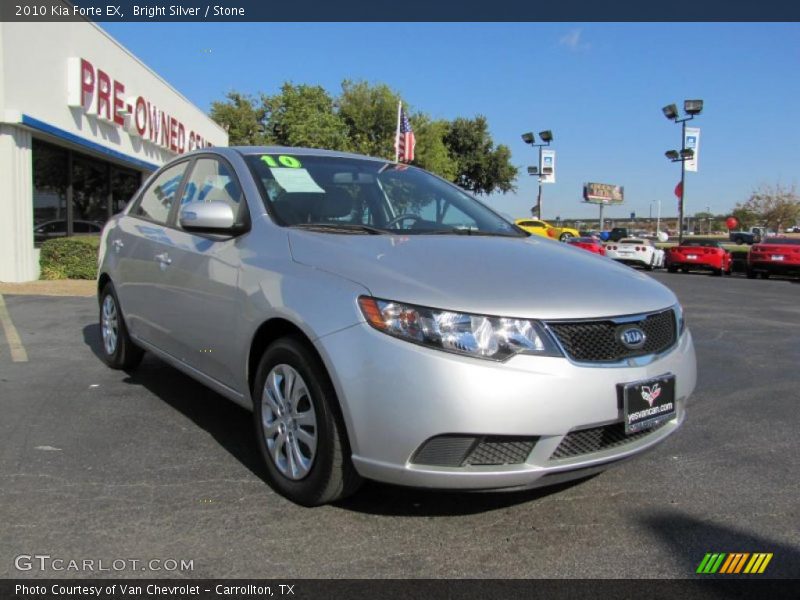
157 199
212 181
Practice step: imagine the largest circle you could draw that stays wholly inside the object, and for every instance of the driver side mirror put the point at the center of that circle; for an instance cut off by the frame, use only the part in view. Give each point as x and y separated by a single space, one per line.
208 217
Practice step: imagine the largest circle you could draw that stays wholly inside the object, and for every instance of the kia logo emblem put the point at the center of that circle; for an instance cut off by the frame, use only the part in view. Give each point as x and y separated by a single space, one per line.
632 337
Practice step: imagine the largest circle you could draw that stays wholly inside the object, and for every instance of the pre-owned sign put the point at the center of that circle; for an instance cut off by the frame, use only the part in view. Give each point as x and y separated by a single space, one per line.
100 95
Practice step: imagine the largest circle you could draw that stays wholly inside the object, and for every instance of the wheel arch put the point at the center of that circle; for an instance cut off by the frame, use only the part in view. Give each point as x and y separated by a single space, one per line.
279 327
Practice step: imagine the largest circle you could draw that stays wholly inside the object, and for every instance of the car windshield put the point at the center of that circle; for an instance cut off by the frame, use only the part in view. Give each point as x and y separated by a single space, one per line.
351 195
633 241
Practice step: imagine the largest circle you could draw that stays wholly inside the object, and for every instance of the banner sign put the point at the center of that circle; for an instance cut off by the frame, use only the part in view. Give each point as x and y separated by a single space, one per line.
603 193
692 141
548 166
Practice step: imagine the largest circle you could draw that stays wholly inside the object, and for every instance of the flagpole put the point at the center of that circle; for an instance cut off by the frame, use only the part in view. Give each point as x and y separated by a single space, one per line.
397 134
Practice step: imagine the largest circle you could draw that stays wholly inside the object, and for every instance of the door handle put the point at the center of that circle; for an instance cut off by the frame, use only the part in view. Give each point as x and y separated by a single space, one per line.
164 259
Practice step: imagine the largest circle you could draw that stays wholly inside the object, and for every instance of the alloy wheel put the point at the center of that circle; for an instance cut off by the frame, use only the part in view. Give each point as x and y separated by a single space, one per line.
289 422
110 325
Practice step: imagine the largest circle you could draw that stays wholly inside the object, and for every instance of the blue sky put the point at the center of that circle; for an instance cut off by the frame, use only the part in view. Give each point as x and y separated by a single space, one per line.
598 87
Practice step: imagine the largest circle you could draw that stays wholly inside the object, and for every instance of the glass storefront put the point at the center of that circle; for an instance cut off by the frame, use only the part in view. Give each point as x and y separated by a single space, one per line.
75 194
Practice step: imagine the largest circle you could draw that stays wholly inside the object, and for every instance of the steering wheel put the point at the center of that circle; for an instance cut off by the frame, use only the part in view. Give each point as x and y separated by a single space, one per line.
400 218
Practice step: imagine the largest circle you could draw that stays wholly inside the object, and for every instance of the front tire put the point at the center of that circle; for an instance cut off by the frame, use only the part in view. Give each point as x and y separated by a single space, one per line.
566 236
119 351
301 434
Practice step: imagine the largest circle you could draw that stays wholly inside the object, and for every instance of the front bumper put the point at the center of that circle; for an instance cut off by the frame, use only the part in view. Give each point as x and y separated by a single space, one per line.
395 396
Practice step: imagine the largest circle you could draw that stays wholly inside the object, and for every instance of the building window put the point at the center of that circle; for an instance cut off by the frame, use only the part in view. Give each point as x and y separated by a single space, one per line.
50 180
97 190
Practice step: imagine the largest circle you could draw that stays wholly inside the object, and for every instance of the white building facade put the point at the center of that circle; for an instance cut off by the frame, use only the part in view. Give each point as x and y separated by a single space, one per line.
82 122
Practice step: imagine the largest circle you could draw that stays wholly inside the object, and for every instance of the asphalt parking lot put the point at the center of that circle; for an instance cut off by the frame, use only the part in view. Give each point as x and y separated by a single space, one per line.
100 464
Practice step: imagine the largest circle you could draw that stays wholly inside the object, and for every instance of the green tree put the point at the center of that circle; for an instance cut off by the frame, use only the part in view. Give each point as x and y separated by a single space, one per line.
363 119
305 115
243 117
482 167
746 217
775 206
431 152
370 114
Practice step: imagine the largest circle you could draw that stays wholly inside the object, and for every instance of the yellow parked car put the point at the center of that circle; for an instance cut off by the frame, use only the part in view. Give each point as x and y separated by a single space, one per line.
545 229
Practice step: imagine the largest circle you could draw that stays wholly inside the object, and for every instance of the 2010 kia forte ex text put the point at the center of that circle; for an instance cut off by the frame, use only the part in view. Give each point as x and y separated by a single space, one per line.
381 323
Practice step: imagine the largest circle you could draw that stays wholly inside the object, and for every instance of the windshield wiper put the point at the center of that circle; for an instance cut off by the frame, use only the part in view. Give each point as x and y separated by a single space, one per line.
344 227
463 231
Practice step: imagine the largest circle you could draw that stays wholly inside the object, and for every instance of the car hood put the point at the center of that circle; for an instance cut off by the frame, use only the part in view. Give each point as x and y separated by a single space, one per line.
515 277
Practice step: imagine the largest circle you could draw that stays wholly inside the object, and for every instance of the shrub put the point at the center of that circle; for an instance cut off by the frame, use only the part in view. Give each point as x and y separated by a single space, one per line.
70 258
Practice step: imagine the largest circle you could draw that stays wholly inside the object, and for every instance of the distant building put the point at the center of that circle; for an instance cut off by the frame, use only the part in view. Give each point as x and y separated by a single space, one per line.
82 122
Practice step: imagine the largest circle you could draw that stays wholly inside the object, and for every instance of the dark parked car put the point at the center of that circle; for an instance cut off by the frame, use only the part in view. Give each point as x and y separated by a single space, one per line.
617 234
53 229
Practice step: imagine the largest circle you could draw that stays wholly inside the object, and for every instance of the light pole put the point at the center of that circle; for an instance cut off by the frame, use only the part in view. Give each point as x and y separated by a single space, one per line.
546 137
692 108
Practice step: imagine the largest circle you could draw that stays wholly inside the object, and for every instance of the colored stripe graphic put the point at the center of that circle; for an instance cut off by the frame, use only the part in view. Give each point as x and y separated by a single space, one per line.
733 563
711 562
758 563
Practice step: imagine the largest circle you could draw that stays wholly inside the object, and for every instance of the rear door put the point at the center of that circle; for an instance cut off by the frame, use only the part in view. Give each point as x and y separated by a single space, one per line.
144 240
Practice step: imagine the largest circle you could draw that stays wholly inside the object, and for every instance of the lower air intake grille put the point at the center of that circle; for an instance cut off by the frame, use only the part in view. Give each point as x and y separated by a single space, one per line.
460 451
586 441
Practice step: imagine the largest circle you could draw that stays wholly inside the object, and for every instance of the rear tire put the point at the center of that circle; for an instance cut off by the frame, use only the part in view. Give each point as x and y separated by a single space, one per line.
717 272
750 273
119 351
672 269
764 275
300 431
566 236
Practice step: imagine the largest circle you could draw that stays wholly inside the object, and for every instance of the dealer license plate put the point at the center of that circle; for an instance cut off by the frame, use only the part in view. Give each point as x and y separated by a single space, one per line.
777 257
691 256
648 403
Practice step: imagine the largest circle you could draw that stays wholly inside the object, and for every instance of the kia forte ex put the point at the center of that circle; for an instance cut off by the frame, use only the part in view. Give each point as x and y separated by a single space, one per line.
381 323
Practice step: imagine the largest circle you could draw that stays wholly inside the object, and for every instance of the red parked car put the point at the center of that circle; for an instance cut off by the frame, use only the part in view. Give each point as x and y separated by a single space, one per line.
706 255
588 243
779 256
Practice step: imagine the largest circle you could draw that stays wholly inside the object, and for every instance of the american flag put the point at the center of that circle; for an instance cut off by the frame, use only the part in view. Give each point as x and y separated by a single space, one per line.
405 139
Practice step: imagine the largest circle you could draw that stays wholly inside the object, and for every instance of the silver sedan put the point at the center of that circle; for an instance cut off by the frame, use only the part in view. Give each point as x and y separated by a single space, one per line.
382 323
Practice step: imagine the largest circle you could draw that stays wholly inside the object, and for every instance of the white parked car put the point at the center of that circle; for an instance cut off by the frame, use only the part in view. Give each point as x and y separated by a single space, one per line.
636 252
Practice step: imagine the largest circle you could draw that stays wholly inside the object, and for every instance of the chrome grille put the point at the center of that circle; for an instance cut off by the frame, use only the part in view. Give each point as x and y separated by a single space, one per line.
595 439
597 341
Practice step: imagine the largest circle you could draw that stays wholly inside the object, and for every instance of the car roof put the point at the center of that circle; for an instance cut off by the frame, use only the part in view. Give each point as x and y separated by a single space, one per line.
249 150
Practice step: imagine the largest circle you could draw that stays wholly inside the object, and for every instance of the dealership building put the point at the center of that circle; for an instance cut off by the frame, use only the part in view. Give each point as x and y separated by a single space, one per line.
82 122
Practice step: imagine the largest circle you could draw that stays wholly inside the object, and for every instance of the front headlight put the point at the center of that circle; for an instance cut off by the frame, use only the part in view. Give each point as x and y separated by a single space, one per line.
494 338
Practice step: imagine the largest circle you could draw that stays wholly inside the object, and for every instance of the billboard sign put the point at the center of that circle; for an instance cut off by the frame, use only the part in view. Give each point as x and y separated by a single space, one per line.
603 193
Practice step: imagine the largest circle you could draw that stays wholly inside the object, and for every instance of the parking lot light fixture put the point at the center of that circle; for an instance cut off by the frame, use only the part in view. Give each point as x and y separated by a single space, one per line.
692 108
671 111
546 137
